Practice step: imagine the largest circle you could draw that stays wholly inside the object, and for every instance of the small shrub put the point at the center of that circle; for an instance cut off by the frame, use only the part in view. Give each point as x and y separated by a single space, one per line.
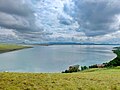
84 68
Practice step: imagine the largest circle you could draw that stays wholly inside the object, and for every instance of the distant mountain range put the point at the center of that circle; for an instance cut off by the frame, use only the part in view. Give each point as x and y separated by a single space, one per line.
65 43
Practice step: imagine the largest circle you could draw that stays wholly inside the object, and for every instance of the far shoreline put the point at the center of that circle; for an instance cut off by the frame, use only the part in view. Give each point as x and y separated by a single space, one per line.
68 44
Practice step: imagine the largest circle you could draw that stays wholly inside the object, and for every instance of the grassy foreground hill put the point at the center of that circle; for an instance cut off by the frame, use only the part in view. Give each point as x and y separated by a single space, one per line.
11 47
91 79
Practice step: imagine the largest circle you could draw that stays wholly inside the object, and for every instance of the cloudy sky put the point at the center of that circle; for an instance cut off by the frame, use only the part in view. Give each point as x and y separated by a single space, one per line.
95 21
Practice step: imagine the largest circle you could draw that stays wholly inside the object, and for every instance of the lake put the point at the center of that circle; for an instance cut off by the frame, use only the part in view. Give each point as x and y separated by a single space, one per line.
54 58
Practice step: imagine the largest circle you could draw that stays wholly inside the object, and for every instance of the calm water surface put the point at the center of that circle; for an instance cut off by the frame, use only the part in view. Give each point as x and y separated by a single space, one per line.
54 58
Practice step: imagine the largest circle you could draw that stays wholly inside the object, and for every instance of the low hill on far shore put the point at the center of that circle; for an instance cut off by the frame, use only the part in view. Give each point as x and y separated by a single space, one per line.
11 47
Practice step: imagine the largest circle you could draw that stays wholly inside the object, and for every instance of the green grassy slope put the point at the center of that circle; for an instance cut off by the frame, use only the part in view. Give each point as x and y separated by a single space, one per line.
92 79
11 47
115 61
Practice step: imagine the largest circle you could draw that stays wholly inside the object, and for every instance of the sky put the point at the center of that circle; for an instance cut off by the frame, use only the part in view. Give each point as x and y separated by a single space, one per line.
84 21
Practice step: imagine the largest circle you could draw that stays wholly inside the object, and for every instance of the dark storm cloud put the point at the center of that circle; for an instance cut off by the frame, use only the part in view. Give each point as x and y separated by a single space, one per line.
16 14
15 7
96 16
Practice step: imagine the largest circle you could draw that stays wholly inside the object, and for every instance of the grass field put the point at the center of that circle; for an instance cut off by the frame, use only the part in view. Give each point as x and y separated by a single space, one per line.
11 47
92 79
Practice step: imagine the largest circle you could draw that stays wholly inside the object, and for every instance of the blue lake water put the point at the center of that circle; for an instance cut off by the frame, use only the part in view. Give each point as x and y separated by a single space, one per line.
55 58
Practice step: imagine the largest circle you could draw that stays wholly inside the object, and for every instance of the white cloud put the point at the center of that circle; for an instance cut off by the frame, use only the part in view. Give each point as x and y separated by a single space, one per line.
61 20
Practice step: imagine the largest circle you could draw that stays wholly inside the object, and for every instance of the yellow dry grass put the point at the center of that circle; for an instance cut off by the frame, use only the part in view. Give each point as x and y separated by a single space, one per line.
93 79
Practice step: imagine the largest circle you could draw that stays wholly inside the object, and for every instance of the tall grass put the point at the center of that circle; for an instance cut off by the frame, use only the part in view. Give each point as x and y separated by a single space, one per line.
93 79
